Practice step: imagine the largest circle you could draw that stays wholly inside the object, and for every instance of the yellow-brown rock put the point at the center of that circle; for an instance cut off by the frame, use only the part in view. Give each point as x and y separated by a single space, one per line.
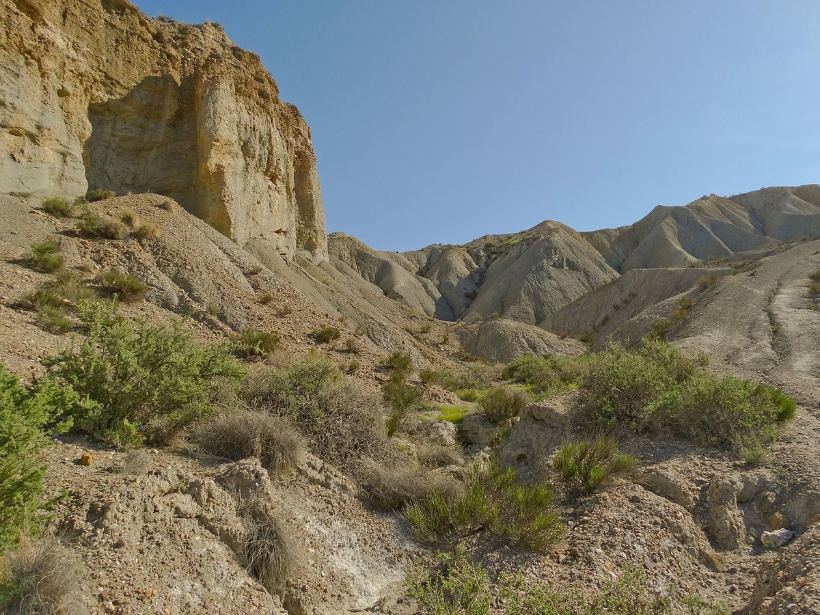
93 94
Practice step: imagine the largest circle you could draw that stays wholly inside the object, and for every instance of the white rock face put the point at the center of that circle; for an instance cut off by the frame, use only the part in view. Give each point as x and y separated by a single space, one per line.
99 96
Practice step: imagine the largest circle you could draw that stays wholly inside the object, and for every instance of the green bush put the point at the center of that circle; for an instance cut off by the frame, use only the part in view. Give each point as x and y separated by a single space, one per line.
298 390
452 414
470 395
123 286
45 257
146 381
656 388
99 194
494 500
662 328
52 301
585 465
325 335
546 375
95 226
27 416
256 343
502 403
58 207
457 587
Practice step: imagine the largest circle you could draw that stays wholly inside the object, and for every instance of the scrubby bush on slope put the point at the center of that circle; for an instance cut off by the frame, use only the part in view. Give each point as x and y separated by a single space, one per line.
656 388
146 381
585 465
26 417
546 376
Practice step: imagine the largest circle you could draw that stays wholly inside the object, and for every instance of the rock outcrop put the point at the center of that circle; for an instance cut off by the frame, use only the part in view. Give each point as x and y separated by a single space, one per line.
96 95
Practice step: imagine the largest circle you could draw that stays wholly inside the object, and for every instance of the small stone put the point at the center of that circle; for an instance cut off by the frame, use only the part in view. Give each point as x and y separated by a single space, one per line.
775 521
776 539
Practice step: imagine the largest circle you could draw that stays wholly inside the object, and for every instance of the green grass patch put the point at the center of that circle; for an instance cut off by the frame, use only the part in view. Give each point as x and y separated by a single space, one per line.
45 257
58 207
123 286
452 414
549 375
256 343
503 403
585 465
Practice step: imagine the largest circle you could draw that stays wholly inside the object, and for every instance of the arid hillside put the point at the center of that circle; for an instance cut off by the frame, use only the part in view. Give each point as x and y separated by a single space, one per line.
207 405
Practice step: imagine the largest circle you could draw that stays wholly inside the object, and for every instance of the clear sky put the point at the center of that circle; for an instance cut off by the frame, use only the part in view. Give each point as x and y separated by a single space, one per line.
443 120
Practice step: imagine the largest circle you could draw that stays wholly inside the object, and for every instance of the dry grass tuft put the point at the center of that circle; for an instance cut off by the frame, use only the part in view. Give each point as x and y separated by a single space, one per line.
392 487
44 579
438 455
238 435
271 555
146 230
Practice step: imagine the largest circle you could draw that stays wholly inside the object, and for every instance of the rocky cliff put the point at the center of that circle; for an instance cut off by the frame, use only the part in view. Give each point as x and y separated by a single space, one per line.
95 95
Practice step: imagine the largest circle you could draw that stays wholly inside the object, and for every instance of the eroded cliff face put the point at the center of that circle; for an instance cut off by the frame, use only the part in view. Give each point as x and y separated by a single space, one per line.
95 95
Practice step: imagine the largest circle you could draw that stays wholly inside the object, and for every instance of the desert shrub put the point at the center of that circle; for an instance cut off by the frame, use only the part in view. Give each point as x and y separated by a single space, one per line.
123 286
298 390
662 328
69 288
53 319
352 346
452 414
136 462
96 226
546 375
341 422
256 343
430 376
45 257
99 194
325 335
146 230
399 365
271 555
438 455
814 283
622 386
493 499
266 298
146 381
502 403
470 395
585 465
241 434
707 282
58 207
129 217
724 411
43 579
455 586
656 388
52 301
394 486
399 395
352 366
27 416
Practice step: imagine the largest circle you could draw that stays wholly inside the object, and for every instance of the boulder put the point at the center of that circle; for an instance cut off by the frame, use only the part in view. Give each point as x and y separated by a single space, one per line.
777 538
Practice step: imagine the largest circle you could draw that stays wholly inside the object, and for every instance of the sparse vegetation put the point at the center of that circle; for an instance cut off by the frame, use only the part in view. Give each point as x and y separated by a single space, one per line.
458 586
146 230
503 403
58 207
325 335
662 328
392 487
814 284
256 343
241 434
493 500
270 553
45 257
585 465
99 194
123 286
27 416
142 382
98 227
546 376
438 455
707 282
51 301
340 421
129 218
399 365
43 579
656 388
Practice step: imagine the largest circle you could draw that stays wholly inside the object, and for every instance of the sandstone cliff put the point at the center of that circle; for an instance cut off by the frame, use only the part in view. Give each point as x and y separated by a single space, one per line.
95 95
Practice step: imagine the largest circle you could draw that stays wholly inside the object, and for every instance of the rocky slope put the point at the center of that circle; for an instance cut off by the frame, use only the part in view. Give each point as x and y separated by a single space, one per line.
95 95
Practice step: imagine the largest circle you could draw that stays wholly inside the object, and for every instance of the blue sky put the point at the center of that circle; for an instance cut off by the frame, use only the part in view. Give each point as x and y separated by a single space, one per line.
443 120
